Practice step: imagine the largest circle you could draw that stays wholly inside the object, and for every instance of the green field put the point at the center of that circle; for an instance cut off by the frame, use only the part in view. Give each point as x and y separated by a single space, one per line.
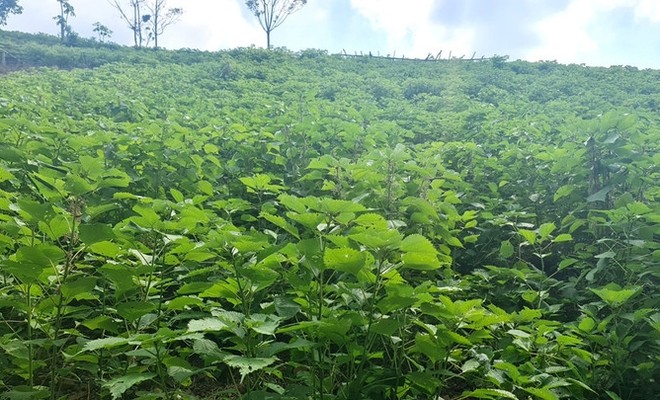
274 225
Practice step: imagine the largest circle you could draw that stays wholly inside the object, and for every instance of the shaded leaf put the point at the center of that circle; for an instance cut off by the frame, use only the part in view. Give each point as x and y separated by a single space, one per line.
120 385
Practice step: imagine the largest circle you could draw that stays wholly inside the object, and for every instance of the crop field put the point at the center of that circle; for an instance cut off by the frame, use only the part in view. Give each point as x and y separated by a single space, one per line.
276 225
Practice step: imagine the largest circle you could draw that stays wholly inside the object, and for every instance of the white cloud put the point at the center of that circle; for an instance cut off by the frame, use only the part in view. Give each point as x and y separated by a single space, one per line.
409 29
573 35
212 25
565 36
647 9
206 25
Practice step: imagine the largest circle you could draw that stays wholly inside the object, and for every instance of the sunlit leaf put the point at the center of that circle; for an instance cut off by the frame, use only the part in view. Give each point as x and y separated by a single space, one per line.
490 394
614 295
344 260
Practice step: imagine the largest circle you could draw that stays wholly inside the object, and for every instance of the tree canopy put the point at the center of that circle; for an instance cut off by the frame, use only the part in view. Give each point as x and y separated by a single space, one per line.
273 13
8 7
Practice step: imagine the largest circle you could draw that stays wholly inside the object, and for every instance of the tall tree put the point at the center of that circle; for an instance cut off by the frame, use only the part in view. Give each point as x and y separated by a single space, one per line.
132 15
160 18
273 13
62 19
8 7
103 31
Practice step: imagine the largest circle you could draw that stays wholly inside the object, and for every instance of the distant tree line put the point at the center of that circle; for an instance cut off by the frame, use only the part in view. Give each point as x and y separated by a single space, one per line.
148 19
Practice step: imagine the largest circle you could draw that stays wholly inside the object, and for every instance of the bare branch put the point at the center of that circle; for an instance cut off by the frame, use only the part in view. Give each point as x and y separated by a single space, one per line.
273 13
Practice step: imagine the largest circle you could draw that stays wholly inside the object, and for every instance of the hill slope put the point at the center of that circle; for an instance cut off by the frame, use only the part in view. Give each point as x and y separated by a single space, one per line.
278 225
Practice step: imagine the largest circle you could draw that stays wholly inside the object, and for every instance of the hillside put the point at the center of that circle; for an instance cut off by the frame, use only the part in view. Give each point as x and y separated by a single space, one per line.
274 225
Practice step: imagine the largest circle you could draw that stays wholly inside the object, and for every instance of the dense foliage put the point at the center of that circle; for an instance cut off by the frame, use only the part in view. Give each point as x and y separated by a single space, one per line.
270 225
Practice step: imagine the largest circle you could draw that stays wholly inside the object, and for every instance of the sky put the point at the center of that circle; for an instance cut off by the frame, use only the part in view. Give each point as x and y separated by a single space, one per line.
591 32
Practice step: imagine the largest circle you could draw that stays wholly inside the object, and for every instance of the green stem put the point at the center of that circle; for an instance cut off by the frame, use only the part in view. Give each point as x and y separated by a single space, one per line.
29 333
59 316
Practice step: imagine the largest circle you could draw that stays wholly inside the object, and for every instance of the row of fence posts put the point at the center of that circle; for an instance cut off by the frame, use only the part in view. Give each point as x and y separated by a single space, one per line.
429 57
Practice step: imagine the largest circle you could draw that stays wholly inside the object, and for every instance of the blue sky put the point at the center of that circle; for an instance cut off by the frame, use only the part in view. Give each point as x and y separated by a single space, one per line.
593 32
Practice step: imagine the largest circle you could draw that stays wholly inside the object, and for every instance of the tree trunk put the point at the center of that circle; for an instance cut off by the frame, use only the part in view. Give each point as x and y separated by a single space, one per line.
61 21
268 39
155 28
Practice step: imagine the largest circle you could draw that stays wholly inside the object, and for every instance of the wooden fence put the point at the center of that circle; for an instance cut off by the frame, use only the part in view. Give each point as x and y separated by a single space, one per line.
8 61
429 57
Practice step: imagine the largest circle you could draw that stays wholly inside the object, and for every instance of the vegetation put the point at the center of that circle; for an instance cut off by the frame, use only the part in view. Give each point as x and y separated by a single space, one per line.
273 13
8 7
62 20
273 225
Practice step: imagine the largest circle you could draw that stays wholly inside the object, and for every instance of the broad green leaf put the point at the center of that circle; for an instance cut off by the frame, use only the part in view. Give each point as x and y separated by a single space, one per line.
563 191
427 345
181 303
470 365
5 175
335 207
529 236
568 340
386 327
32 261
542 393
180 374
132 310
309 220
177 195
526 315
285 307
26 393
607 254
506 249
293 203
93 233
613 395
344 260
105 248
614 295
396 301
546 229
58 227
494 394
263 324
33 211
78 186
104 343
600 195
371 220
509 368
419 253
206 325
455 337
247 365
122 277
518 333
564 237
210 148
101 323
587 324
530 296
425 381
377 239
118 386
565 263
79 288
281 223
205 187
